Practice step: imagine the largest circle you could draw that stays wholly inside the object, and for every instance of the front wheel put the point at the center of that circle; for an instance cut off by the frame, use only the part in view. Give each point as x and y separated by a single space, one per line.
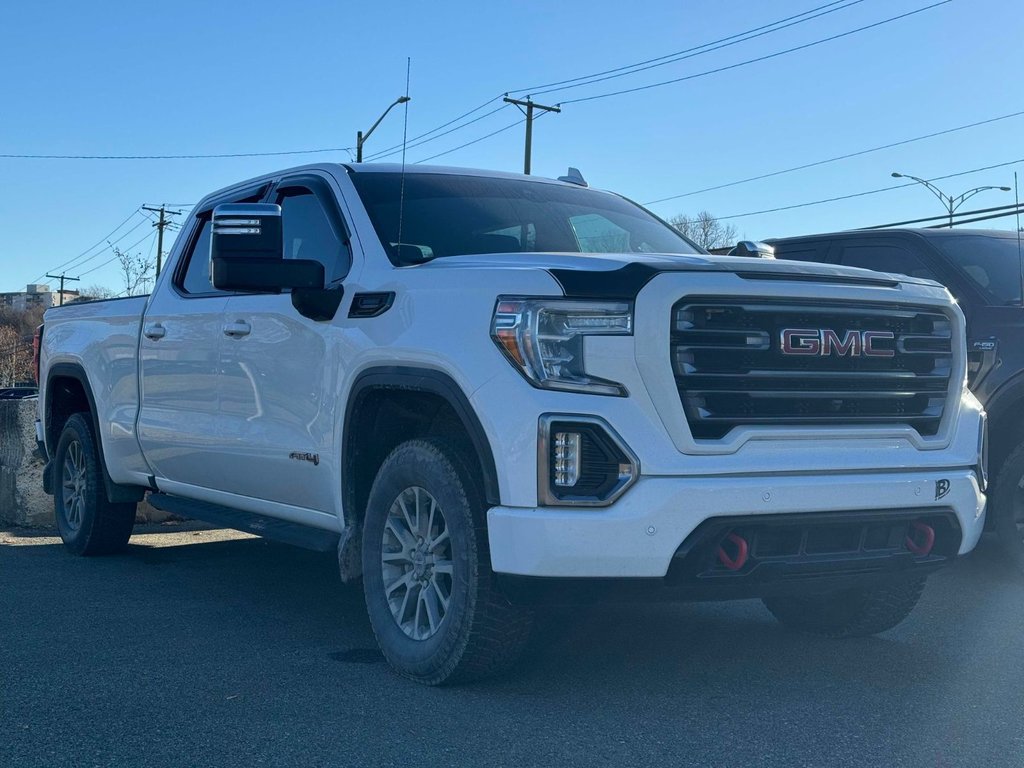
88 523
426 570
851 613
1007 505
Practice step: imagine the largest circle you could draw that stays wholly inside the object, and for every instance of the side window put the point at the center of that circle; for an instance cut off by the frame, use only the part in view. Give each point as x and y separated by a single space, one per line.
309 234
197 269
886 258
803 251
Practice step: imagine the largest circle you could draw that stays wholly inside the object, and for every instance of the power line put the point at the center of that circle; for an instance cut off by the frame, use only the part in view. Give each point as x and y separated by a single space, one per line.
867 192
176 157
835 159
757 59
107 244
689 53
100 242
474 141
414 144
116 255
383 152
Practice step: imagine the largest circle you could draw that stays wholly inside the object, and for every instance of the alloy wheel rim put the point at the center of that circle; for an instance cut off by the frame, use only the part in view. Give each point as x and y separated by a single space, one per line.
73 484
416 563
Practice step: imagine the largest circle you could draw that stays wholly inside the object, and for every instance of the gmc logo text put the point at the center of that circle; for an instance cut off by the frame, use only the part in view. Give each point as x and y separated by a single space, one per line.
824 342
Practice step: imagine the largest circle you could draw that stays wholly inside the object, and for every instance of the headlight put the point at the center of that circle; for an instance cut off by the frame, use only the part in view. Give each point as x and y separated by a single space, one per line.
543 338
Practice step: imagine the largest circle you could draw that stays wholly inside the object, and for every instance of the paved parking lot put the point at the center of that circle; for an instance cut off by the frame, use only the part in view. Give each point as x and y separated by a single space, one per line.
203 647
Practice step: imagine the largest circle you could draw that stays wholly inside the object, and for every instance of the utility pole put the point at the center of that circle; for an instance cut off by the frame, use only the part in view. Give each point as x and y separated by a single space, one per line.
530 106
62 277
160 225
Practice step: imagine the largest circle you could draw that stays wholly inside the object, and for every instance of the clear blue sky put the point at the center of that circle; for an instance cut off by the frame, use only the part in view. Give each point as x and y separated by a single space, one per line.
199 77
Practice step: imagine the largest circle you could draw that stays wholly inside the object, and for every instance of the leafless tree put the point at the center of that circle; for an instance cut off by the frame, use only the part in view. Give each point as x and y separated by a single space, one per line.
15 357
94 292
705 230
135 271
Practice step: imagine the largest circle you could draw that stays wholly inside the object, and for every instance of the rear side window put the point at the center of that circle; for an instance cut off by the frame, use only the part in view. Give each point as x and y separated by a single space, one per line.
197 271
803 251
886 258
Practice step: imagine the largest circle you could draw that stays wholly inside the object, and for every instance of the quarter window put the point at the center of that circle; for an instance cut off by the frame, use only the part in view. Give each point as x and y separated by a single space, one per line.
197 271
308 233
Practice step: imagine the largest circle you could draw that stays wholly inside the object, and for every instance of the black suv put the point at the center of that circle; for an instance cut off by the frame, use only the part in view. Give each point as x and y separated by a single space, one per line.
984 272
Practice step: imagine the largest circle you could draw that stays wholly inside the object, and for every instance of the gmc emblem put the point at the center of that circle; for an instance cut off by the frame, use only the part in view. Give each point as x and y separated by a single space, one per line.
824 342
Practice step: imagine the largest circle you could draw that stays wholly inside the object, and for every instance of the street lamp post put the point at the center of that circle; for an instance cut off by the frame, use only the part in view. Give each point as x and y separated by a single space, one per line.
951 202
362 137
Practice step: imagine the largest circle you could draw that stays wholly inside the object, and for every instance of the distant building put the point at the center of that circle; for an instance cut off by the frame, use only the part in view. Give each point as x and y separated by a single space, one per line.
35 295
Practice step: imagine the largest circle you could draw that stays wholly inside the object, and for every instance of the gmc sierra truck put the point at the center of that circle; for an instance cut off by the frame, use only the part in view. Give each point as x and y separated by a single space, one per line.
485 390
983 270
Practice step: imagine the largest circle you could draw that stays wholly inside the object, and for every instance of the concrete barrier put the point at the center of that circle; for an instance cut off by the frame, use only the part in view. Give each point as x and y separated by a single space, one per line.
22 500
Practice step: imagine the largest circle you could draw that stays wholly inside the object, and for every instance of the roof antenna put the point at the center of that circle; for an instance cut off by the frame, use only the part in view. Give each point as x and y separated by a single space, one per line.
405 135
1020 257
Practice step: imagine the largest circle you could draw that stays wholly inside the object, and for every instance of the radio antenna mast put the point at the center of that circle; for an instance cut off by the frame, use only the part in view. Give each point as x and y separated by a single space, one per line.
405 135
1020 255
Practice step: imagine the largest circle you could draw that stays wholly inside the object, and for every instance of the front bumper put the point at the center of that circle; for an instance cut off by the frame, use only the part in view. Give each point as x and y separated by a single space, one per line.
641 533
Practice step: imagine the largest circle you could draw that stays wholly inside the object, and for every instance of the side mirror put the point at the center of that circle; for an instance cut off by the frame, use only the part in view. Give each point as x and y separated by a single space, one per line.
247 252
753 250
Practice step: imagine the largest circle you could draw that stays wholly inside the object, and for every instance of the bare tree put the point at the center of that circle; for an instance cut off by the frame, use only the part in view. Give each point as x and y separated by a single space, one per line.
705 230
94 292
15 357
135 271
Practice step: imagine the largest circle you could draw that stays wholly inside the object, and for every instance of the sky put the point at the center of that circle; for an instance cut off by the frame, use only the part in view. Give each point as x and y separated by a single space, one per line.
120 78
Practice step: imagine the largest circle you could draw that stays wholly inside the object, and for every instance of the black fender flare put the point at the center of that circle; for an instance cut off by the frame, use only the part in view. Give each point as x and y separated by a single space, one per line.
435 382
115 493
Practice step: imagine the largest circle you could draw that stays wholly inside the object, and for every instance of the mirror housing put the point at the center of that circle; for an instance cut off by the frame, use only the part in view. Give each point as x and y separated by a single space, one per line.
753 249
247 252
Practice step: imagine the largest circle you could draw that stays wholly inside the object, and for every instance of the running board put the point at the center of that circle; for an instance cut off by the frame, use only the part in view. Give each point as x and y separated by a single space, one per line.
286 532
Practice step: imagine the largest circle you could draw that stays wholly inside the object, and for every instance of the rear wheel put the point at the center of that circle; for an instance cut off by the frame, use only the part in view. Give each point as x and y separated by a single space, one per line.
1008 505
850 613
88 523
426 570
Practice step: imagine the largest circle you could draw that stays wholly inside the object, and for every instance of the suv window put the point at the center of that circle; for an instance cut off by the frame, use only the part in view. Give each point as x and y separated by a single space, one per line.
886 258
197 271
992 263
308 233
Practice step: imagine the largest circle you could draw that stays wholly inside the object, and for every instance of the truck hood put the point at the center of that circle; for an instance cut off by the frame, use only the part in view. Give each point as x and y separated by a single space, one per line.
626 273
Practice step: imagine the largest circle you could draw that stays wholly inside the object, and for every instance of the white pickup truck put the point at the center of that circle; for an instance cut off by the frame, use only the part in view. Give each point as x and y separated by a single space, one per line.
487 390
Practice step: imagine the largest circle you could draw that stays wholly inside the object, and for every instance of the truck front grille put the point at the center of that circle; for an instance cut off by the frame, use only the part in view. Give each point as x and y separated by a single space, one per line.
741 362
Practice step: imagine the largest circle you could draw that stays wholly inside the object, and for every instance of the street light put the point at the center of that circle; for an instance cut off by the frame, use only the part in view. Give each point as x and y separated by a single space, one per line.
951 203
362 137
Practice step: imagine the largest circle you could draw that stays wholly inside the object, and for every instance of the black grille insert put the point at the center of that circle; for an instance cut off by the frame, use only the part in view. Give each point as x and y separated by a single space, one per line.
730 369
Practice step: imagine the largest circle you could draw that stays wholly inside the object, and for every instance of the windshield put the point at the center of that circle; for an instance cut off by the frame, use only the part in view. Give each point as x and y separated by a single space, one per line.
991 262
452 215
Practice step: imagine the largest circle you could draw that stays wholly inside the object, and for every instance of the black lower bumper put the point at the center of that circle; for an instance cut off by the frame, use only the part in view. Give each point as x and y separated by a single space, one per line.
760 556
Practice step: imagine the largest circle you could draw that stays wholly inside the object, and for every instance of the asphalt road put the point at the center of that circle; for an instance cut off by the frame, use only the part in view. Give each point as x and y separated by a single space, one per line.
212 648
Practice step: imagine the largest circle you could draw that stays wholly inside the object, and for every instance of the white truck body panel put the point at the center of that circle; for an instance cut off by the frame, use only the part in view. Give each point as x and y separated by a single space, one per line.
221 416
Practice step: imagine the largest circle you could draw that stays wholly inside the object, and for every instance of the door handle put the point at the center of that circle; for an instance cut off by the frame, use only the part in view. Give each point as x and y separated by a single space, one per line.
154 331
237 329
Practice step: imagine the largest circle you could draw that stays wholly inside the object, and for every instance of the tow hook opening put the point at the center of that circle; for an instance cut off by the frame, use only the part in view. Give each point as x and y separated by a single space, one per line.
740 551
921 538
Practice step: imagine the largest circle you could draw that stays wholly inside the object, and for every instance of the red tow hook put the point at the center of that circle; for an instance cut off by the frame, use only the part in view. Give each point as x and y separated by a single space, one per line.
742 551
921 538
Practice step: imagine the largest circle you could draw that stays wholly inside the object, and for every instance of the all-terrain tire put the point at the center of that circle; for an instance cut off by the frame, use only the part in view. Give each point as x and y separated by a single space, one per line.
852 613
480 633
88 523
1006 504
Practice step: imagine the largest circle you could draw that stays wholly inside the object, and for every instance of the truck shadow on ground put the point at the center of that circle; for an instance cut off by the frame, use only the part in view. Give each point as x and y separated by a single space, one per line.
661 643
665 645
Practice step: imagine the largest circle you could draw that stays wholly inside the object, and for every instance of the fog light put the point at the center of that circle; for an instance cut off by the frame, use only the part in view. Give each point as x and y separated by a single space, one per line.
582 462
567 459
